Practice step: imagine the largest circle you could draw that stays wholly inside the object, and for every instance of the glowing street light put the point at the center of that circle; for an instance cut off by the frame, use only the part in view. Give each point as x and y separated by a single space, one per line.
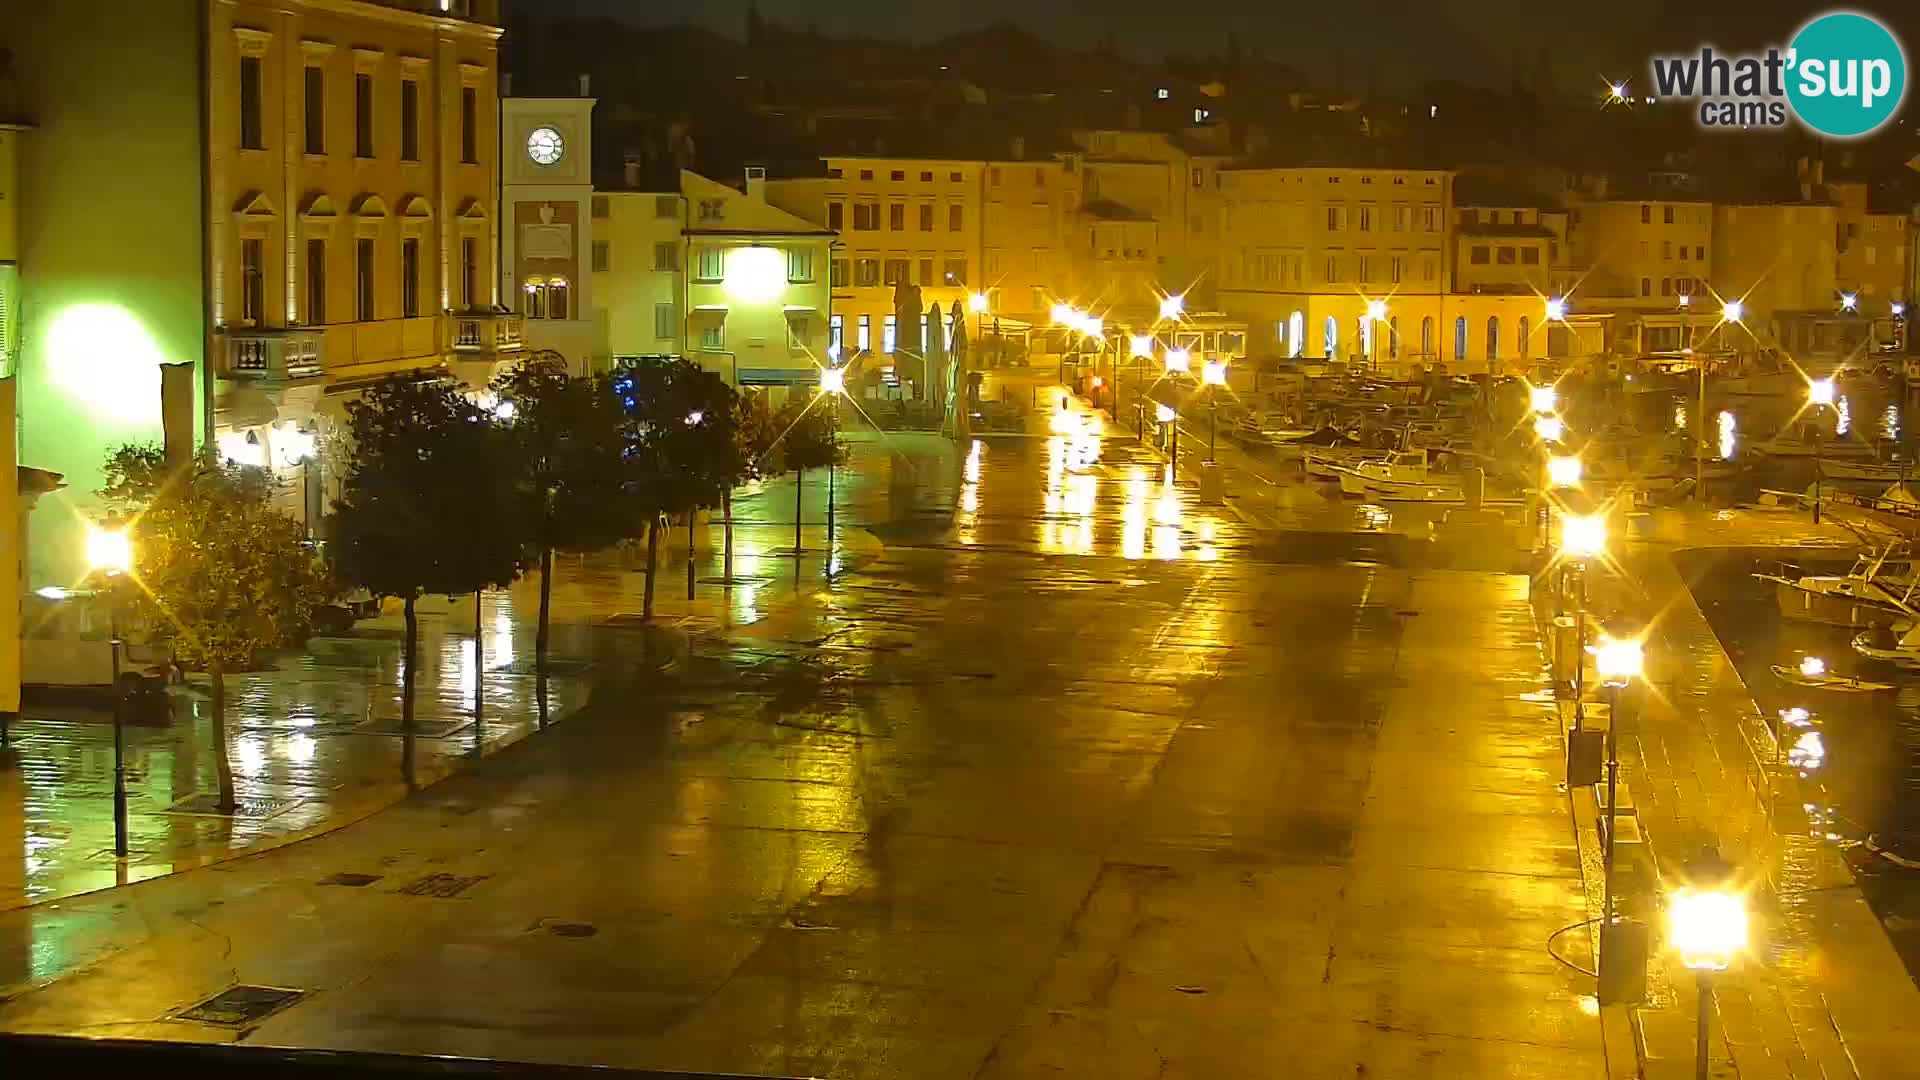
1849 302
1214 373
977 303
1820 392
1563 471
1543 398
1708 927
1377 310
1140 345
1179 361
109 550
1685 300
833 380
1062 314
1583 536
1618 660
1898 309
1172 306
1093 326
1550 428
1163 413
1557 309
1732 310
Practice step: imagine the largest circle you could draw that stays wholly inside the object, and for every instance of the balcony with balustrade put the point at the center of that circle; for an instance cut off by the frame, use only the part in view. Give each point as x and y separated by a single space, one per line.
486 334
272 356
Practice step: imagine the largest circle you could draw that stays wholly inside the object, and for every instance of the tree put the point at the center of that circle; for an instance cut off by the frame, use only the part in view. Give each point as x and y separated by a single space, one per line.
428 506
709 450
753 436
680 448
570 464
218 574
810 440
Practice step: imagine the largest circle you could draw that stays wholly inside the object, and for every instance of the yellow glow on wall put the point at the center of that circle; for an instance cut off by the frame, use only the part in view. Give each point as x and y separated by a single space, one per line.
755 273
103 357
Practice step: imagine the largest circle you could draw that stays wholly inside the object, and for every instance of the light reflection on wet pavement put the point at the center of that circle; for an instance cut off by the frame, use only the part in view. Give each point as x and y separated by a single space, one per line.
1066 776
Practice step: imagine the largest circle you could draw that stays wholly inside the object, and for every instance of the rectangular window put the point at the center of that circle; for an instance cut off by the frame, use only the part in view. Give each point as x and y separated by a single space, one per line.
996 263
925 267
1666 249
866 217
1366 268
993 176
1366 219
1700 252
710 264
1504 255
1333 268
316 110
666 255
799 264
926 217
1333 218
253 272
864 340
1428 268
836 334
955 272
470 125
1646 284
897 217
410 277
1646 214
712 211
600 256
1667 214
896 272
1530 256
666 206
666 326
363 116
1396 267
836 216
410 121
866 174
250 126
713 335
842 274
470 272
926 177
953 178
897 176
1199 177
889 334
316 282
866 273
1480 255
363 280
799 331
1403 219
602 208
955 214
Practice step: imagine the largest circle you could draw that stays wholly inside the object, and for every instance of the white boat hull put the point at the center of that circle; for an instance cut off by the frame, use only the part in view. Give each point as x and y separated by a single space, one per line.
1831 609
1857 470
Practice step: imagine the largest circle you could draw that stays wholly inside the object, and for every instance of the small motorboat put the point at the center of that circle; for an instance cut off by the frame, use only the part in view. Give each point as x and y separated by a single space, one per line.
1864 595
1879 644
1865 470
1812 672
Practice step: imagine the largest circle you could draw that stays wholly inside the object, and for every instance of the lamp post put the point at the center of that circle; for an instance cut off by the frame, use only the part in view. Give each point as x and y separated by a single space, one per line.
1582 537
833 383
1213 374
1708 926
111 553
1819 395
1376 318
1618 662
1166 415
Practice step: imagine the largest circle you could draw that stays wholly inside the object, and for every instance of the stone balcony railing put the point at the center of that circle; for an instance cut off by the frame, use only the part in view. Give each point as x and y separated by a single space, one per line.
484 332
271 354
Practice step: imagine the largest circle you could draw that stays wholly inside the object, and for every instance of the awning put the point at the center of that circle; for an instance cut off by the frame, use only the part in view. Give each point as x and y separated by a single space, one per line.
803 376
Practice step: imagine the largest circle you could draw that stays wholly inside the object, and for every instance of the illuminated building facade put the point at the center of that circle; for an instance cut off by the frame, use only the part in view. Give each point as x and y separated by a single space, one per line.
548 248
298 200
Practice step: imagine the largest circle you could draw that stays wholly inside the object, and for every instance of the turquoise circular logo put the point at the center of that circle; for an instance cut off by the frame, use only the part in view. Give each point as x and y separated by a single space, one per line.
1846 74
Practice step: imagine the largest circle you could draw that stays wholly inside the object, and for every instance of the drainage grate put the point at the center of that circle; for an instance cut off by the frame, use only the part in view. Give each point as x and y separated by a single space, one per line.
444 886
351 881
572 929
207 804
242 1005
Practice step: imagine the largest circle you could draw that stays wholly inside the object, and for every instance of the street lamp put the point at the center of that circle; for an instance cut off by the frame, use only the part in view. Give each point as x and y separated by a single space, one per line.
1544 399
1213 374
1732 310
1819 396
977 303
1556 309
1376 320
1172 306
833 383
1582 537
1618 662
1563 471
1707 926
1549 428
1165 414
1179 361
1849 302
111 552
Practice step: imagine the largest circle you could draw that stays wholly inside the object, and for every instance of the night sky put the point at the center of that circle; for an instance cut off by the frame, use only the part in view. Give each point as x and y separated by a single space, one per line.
1405 41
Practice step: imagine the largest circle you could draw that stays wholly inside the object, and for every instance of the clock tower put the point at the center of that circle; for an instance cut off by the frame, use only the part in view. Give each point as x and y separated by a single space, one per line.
546 213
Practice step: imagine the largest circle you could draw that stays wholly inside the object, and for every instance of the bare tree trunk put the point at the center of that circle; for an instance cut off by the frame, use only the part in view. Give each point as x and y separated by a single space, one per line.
693 515
406 695
726 503
799 481
540 632
653 561
479 681
222 765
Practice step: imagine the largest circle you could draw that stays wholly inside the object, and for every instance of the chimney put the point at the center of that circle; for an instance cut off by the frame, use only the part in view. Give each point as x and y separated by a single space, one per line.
586 85
757 183
1019 148
630 169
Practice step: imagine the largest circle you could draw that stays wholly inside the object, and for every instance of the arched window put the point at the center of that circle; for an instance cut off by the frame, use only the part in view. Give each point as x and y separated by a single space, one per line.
1393 337
1493 337
1426 336
536 298
557 298
1364 336
1331 341
1460 338
1297 333
1523 337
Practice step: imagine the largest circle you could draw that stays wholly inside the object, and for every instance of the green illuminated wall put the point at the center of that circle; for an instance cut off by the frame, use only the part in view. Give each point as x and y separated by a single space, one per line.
111 233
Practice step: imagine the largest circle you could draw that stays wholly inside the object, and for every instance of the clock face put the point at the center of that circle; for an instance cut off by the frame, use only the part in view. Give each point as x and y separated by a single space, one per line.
545 146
